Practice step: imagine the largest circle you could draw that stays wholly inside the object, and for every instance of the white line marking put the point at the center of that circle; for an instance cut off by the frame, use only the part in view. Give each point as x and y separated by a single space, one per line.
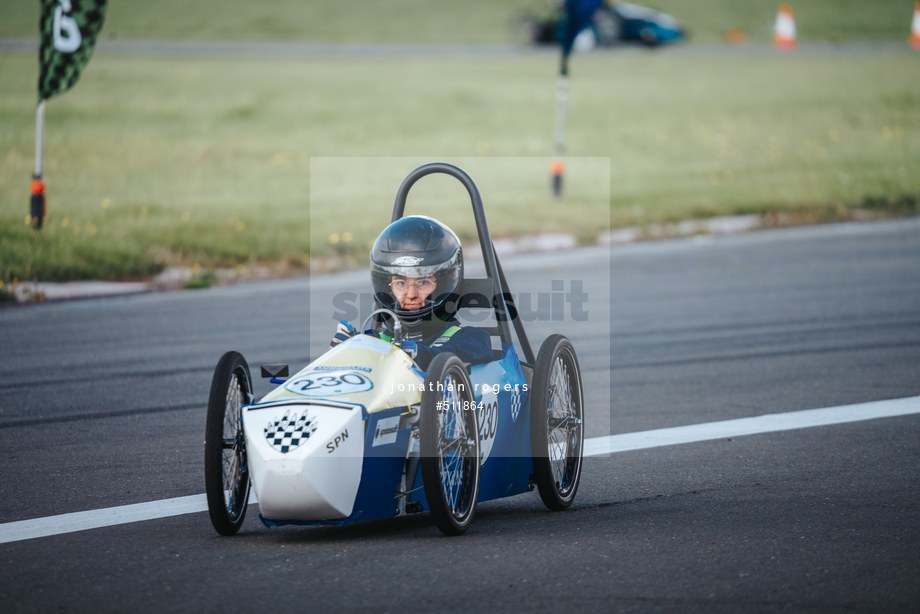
596 446
94 519
769 423
107 517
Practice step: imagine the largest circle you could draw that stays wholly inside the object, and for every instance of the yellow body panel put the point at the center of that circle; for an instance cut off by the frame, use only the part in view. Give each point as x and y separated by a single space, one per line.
363 369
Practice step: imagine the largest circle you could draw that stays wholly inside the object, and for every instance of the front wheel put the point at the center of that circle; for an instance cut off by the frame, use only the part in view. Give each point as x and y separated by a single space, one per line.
225 470
449 444
557 423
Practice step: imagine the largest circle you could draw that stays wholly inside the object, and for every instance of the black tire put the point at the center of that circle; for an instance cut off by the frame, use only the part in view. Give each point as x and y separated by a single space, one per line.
226 473
557 423
449 445
649 38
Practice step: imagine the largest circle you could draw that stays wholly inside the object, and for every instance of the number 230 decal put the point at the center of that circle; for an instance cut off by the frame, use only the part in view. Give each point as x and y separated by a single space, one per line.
329 383
488 424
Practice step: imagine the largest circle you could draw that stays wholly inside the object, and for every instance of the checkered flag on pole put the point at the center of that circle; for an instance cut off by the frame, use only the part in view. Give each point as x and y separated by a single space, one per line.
68 33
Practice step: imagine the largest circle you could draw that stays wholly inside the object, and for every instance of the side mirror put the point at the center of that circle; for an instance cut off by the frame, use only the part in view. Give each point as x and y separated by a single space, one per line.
274 371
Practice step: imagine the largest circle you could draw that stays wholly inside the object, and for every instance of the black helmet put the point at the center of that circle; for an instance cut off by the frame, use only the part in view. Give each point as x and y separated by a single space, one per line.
418 246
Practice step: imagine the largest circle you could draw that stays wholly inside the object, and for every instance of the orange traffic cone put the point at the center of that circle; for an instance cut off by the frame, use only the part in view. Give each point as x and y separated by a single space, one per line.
784 31
914 39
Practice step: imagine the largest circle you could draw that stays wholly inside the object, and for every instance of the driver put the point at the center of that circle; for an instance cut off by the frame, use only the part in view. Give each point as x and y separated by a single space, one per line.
416 269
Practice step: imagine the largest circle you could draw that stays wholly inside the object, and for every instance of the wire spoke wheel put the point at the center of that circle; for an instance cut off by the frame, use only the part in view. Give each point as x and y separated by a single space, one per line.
449 433
557 423
225 467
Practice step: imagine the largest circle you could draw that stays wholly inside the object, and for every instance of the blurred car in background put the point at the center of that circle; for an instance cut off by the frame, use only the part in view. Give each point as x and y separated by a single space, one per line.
612 24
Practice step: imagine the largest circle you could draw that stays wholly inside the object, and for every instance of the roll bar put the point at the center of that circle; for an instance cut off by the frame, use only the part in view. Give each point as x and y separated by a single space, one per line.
502 301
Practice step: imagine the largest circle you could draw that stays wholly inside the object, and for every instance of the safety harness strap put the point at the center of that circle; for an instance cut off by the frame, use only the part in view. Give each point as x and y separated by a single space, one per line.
445 336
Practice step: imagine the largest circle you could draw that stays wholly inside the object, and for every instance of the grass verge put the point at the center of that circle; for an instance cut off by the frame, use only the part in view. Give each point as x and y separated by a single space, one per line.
472 21
157 162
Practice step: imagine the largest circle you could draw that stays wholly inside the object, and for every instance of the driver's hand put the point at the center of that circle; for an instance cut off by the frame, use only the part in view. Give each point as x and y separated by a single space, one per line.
410 347
343 332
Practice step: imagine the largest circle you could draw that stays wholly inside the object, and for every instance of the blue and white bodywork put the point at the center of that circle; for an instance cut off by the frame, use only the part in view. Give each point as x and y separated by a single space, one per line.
336 442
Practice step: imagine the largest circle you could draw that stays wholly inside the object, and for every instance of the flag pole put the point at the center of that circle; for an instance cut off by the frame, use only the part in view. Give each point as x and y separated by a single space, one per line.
557 166
37 208
578 14
67 33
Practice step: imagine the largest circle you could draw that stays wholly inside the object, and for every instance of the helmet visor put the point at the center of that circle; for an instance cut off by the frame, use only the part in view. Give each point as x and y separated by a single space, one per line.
415 290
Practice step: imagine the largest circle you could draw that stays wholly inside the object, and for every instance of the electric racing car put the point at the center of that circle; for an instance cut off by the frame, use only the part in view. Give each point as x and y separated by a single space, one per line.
612 24
362 433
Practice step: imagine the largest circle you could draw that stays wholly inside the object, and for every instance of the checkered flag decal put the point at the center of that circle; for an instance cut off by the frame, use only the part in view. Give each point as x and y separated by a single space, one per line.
68 31
515 403
290 431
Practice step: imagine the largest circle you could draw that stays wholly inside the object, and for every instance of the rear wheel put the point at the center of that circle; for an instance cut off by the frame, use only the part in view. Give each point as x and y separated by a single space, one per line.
649 37
449 444
225 469
556 423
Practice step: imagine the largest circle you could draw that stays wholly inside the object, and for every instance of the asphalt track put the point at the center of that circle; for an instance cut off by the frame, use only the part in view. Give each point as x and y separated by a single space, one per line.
102 405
